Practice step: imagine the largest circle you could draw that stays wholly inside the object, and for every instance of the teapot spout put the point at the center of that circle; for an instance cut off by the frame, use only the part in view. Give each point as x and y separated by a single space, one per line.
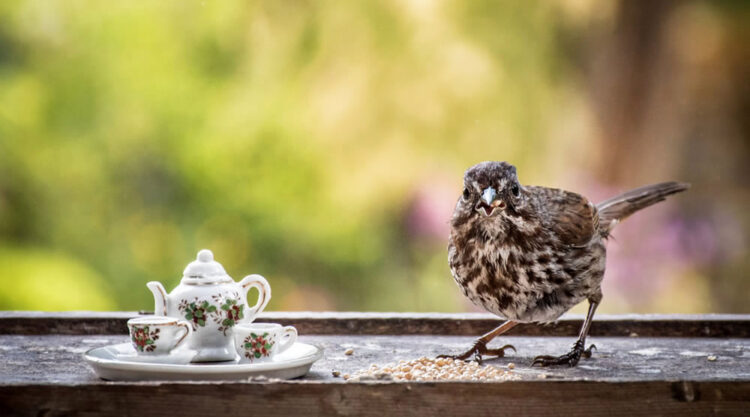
160 297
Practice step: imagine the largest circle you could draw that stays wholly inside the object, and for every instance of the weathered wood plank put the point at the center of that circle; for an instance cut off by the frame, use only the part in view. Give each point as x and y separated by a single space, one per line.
467 324
58 359
46 375
545 398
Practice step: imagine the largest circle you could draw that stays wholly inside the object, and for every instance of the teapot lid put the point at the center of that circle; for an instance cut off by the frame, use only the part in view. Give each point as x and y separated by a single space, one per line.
204 267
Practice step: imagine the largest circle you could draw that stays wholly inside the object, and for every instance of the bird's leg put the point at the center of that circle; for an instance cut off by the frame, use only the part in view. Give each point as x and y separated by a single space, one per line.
579 348
480 346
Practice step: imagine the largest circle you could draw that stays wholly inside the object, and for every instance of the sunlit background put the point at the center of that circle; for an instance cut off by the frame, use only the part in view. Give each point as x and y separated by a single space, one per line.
322 143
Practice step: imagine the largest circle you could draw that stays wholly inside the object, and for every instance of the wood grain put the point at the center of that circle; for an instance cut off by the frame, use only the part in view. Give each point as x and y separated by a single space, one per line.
548 398
326 323
56 359
42 372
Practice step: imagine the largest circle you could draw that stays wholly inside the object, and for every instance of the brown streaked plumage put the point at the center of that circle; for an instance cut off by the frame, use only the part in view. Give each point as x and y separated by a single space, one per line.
529 254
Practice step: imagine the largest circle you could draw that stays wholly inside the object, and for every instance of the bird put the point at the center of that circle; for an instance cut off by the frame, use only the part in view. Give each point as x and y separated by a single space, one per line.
528 254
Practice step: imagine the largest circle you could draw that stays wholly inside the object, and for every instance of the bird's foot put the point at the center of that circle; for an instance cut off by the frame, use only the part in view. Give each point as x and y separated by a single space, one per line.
571 358
479 349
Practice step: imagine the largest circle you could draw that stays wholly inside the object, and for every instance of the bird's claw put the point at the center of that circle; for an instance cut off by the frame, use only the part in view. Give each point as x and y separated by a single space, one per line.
479 349
571 358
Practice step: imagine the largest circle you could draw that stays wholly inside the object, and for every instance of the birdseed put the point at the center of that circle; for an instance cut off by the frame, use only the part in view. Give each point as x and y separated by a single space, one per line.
349 352
432 369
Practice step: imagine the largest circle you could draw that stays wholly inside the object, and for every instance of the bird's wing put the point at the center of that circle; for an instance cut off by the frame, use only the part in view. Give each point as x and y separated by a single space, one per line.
570 216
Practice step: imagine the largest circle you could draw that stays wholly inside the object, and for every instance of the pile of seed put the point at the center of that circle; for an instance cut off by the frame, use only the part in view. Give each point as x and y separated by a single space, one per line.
429 369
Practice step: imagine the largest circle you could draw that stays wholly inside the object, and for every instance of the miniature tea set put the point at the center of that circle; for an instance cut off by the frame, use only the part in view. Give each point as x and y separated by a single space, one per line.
204 329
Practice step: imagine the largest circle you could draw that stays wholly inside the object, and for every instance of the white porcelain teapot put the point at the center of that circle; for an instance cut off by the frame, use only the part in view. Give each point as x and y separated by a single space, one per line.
213 302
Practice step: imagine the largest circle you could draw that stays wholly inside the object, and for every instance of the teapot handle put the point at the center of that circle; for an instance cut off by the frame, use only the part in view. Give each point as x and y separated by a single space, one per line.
264 294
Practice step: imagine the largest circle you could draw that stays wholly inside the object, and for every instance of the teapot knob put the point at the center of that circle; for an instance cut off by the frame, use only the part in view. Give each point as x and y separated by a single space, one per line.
204 266
205 255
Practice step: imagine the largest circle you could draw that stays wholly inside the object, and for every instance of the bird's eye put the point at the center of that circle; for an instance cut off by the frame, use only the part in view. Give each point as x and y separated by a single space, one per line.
515 190
467 194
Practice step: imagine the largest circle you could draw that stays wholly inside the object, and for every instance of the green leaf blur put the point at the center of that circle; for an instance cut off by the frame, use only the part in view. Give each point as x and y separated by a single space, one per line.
292 138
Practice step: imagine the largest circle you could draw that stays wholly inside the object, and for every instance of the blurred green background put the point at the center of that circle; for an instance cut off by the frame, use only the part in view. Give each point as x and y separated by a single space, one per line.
322 143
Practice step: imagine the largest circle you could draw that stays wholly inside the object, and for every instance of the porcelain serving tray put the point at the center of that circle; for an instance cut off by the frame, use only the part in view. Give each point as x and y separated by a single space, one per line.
119 363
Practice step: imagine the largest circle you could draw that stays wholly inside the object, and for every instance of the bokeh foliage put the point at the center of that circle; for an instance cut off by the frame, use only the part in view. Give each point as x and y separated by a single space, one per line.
296 139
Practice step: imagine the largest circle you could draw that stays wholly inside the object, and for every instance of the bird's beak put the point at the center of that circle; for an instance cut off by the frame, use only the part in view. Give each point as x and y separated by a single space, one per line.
488 195
489 202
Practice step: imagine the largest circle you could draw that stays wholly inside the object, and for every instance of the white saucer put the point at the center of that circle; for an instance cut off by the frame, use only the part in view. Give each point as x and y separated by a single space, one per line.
111 363
125 352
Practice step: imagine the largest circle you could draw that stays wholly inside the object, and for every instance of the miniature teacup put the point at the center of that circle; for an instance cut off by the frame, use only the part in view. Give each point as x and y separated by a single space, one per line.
157 335
259 342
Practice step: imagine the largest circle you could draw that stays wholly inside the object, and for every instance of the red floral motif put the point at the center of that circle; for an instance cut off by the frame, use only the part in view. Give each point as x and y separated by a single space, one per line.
197 312
227 315
257 346
143 339
233 313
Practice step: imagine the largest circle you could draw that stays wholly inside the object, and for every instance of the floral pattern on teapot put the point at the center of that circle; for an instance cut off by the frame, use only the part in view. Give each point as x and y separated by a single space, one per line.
212 303
228 313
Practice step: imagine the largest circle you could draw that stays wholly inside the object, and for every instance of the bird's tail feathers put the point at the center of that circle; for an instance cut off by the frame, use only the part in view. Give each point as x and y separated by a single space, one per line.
618 208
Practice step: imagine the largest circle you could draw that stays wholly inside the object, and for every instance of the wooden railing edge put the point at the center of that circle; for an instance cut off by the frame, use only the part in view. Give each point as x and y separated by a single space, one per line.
382 323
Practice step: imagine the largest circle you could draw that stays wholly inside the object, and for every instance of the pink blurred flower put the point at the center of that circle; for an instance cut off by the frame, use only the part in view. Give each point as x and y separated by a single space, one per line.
429 212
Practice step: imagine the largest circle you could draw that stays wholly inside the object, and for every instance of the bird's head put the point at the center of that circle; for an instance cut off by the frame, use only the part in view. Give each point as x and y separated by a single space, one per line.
490 190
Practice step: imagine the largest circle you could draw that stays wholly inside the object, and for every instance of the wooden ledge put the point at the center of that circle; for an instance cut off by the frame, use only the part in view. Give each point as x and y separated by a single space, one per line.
547 398
46 375
678 365
357 323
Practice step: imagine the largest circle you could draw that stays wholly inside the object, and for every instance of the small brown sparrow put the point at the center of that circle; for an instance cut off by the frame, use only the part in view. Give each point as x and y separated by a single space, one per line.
529 254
